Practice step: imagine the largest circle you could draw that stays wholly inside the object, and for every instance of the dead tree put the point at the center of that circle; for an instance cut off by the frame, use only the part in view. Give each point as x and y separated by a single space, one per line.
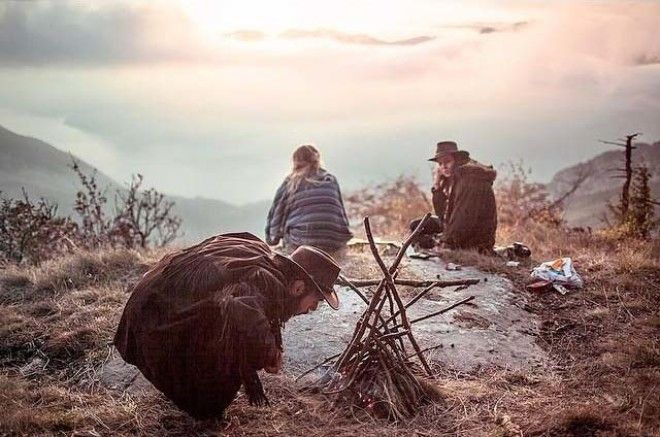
375 371
627 171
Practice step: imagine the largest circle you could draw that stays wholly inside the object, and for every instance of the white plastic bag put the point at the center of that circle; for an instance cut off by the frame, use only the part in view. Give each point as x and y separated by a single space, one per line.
559 272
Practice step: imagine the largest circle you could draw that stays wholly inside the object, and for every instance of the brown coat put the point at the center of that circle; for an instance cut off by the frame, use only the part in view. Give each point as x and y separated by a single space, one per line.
466 206
203 320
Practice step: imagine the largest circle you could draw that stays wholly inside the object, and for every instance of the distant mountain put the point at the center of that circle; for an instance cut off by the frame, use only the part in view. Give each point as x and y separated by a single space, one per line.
588 205
44 171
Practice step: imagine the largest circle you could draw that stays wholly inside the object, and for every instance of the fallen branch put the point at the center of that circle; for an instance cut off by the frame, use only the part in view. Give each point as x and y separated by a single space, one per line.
444 310
407 282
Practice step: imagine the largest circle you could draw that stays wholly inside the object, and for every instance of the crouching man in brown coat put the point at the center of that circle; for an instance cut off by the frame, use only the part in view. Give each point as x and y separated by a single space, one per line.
204 320
463 200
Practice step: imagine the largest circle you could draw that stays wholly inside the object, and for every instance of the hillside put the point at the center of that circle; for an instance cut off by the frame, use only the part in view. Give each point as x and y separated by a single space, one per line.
596 374
44 171
587 207
40 168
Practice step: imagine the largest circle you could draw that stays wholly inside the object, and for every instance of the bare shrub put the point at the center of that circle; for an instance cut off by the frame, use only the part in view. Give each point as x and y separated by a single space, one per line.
144 217
391 206
90 205
31 231
141 217
520 200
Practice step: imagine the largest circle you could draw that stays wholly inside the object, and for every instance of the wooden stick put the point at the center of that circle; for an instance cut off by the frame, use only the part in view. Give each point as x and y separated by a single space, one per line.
371 282
412 301
391 302
389 337
437 346
359 293
346 282
406 282
464 283
360 328
421 294
375 307
388 277
307 372
407 243
444 310
442 284
405 368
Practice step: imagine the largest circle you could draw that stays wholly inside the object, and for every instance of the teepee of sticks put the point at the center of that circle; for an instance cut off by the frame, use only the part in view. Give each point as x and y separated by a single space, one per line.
377 371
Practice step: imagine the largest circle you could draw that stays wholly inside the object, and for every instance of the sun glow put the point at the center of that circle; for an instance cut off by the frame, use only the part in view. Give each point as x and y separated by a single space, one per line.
262 15
384 17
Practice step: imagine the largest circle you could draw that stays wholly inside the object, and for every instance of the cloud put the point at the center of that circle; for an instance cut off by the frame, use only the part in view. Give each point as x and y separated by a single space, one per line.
364 39
503 88
75 34
352 38
247 35
486 28
616 33
109 33
512 27
68 33
647 59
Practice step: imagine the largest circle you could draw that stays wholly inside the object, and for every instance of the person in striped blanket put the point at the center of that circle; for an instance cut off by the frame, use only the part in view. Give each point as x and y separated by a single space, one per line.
308 208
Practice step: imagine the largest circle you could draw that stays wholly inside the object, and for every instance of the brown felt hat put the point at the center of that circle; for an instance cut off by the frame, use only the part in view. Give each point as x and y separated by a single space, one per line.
444 148
321 270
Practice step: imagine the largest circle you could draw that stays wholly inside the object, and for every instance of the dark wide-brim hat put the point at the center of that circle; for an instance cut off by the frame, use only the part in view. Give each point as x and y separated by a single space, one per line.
319 268
445 148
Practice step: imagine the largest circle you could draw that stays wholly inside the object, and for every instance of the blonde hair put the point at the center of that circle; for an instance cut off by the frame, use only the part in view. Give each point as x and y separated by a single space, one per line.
306 162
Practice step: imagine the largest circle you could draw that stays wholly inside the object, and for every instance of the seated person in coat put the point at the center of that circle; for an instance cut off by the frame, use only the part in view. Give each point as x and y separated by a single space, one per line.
463 201
308 208
205 319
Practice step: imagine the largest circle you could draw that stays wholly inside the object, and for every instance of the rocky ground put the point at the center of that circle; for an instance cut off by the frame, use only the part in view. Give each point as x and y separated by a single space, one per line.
493 330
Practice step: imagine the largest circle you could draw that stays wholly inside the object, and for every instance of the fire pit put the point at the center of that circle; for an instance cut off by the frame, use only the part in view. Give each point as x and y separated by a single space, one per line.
383 369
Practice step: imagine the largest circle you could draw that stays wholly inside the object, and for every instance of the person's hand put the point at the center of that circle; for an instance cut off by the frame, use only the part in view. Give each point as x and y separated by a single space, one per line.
276 367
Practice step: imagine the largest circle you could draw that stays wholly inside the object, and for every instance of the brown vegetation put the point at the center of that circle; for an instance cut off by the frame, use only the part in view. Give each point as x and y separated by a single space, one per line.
58 320
604 339
390 206
141 217
32 232
604 343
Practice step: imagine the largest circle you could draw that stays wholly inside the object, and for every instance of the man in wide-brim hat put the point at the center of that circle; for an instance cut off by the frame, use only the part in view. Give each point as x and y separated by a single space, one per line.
463 201
204 320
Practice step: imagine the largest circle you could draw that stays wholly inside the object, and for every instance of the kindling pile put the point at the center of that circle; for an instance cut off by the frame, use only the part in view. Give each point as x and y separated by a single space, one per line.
383 369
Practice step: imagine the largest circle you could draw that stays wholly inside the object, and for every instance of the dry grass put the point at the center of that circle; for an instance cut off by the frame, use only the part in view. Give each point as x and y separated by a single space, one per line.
58 319
66 310
604 339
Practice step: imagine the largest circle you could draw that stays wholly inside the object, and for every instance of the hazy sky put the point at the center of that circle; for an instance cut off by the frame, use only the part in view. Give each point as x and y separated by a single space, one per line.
210 98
